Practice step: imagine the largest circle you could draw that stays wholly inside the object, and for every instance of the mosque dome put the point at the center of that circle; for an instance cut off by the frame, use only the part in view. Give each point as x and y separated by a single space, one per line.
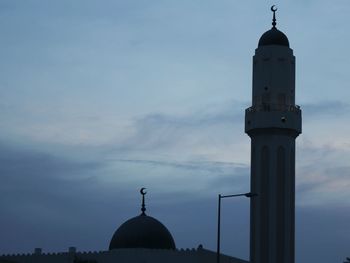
273 37
142 231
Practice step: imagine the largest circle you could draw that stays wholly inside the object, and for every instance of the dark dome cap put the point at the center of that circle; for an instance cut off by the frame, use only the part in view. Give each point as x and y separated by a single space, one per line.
142 232
273 37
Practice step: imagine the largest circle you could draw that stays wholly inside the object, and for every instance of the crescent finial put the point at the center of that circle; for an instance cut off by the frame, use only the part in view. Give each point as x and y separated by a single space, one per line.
142 191
274 9
143 206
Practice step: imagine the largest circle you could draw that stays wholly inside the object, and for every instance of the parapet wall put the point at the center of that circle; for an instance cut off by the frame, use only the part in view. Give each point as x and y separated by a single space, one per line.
136 255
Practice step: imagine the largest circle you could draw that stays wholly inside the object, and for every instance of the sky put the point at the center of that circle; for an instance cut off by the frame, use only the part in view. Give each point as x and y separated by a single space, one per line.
101 98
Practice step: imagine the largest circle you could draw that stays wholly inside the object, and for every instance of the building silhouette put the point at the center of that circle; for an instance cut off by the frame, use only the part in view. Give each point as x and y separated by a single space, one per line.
139 239
273 122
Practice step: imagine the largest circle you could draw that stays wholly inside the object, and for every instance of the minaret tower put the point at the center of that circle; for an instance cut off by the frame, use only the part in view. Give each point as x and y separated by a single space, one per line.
273 122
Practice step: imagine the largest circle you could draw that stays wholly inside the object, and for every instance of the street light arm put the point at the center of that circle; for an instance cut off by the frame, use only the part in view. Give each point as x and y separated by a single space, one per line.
225 196
249 195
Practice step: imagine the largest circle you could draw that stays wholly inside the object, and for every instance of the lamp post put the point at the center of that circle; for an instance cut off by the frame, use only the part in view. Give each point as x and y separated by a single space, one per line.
248 195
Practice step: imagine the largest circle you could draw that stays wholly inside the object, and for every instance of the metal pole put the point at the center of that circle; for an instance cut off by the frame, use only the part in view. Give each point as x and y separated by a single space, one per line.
249 195
218 238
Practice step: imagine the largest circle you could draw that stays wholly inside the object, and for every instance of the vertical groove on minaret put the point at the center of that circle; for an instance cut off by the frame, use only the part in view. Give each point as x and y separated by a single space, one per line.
264 206
280 200
253 207
292 203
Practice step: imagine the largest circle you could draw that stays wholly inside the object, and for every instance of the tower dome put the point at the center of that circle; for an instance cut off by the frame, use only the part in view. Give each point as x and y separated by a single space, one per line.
273 36
142 231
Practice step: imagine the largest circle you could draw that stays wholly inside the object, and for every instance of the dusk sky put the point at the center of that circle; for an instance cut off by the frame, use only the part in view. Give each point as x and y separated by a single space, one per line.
101 98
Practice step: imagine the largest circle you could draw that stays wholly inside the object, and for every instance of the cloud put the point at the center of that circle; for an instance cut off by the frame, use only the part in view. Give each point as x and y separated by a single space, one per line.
322 173
211 133
34 181
193 166
52 194
51 200
326 109
202 177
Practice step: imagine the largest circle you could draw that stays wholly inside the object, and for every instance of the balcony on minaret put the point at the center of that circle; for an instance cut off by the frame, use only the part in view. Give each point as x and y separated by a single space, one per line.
274 107
273 116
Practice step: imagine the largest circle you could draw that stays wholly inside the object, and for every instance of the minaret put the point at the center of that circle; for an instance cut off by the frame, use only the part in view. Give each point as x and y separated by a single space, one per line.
273 122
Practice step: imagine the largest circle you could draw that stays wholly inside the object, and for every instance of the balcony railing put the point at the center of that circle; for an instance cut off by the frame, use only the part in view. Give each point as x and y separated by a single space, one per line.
274 107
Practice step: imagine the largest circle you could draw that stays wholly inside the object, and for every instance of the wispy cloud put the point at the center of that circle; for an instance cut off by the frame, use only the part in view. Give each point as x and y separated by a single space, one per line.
190 165
323 173
326 109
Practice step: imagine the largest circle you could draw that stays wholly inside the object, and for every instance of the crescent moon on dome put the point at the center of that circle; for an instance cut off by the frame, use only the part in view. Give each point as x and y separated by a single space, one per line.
273 8
142 191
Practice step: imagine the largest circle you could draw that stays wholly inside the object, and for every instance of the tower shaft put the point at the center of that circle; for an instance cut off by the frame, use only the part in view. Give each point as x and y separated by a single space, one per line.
273 122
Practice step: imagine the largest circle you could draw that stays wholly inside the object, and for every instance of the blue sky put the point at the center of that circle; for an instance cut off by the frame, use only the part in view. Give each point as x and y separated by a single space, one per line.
100 98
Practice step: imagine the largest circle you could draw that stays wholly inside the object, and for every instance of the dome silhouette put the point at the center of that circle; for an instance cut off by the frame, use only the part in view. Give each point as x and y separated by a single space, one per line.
142 232
273 37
